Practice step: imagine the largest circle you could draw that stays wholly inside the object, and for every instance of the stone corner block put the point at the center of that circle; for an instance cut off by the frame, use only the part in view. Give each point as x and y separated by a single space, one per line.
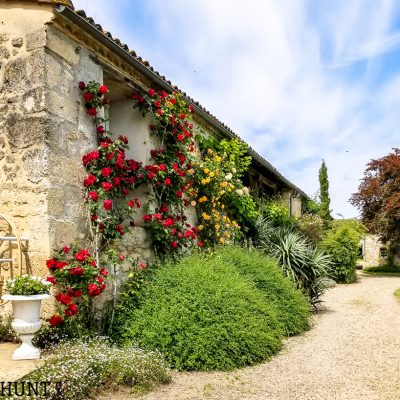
25 131
36 39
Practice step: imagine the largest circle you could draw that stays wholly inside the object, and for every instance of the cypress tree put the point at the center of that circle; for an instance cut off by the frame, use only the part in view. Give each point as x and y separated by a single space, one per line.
325 200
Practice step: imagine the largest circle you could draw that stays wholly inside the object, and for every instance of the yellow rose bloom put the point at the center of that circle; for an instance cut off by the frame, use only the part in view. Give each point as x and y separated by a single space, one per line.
211 174
206 170
222 240
191 171
224 184
200 227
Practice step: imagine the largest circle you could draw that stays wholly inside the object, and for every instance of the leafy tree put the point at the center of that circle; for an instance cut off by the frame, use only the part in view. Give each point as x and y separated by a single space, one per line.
378 197
342 243
324 210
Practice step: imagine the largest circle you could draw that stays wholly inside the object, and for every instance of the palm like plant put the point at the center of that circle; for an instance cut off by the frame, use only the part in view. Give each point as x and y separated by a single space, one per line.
306 266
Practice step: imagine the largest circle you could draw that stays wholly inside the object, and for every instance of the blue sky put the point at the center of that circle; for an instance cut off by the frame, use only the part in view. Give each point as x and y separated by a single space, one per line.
300 81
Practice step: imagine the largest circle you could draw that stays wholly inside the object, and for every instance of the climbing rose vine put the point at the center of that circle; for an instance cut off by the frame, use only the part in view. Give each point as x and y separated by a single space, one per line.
78 278
170 172
109 183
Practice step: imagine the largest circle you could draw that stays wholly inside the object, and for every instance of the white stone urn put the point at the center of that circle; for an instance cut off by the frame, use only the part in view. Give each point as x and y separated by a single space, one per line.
26 321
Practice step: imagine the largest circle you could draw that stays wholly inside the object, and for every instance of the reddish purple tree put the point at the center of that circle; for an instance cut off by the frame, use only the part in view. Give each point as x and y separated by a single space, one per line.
378 197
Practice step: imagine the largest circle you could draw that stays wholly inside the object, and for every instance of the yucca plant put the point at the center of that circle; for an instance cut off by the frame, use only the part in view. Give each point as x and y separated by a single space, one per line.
308 267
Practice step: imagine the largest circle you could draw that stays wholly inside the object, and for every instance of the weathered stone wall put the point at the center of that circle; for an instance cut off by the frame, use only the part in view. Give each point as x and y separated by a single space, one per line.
24 128
371 246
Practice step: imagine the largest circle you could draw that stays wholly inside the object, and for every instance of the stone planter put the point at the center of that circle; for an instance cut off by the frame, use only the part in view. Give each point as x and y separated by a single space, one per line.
26 314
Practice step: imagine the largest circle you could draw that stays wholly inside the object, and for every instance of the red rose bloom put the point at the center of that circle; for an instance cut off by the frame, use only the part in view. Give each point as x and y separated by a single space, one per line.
174 245
168 222
78 293
180 137
162 167
168 181
90 180
103 89
100 129
179 194
157 216
82 85
93 290
77 271
107 186
175 166
88 97
63 298
107 204
151 92
93 195
150 175
200 244
71 310
82 255
56 319
106 171
147 217
51 279
159 111
92 111
52 263
131 203
103 272
142 265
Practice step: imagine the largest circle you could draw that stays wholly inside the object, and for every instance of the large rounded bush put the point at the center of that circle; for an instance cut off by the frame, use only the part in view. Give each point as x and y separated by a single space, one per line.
203 314
293 308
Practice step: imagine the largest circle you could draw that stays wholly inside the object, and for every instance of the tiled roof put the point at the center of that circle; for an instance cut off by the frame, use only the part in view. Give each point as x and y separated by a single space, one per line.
70 11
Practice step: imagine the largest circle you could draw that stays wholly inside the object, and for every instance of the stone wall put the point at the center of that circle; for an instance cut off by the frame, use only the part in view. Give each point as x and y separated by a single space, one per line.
44 131
371 246
24 129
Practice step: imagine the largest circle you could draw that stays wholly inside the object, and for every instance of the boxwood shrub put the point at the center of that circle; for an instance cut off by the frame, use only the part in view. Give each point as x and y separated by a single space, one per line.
210 313
293 309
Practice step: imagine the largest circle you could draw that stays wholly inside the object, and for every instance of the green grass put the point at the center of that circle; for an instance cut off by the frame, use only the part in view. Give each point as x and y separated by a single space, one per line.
387 270
217 312
397 293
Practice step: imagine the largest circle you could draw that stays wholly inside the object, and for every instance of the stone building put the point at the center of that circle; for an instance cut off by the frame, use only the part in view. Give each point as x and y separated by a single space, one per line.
372 251
46 48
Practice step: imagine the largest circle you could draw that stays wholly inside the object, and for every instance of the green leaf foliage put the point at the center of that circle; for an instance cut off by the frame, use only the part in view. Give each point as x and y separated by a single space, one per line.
305 265
342 243
325 200
293 309
208 313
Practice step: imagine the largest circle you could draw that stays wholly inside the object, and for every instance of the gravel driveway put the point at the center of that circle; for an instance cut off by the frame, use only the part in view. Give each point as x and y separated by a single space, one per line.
352 352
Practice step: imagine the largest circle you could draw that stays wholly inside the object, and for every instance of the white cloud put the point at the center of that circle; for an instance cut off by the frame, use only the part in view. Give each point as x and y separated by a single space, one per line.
265 69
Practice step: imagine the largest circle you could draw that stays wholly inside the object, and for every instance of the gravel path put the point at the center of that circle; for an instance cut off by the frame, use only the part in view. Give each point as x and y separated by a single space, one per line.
352 352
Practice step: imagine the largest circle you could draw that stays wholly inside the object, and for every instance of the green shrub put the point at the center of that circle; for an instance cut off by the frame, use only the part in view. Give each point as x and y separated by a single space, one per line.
312 227
342 243
82 366
292 307
203 314
305 265
7 333
277 213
